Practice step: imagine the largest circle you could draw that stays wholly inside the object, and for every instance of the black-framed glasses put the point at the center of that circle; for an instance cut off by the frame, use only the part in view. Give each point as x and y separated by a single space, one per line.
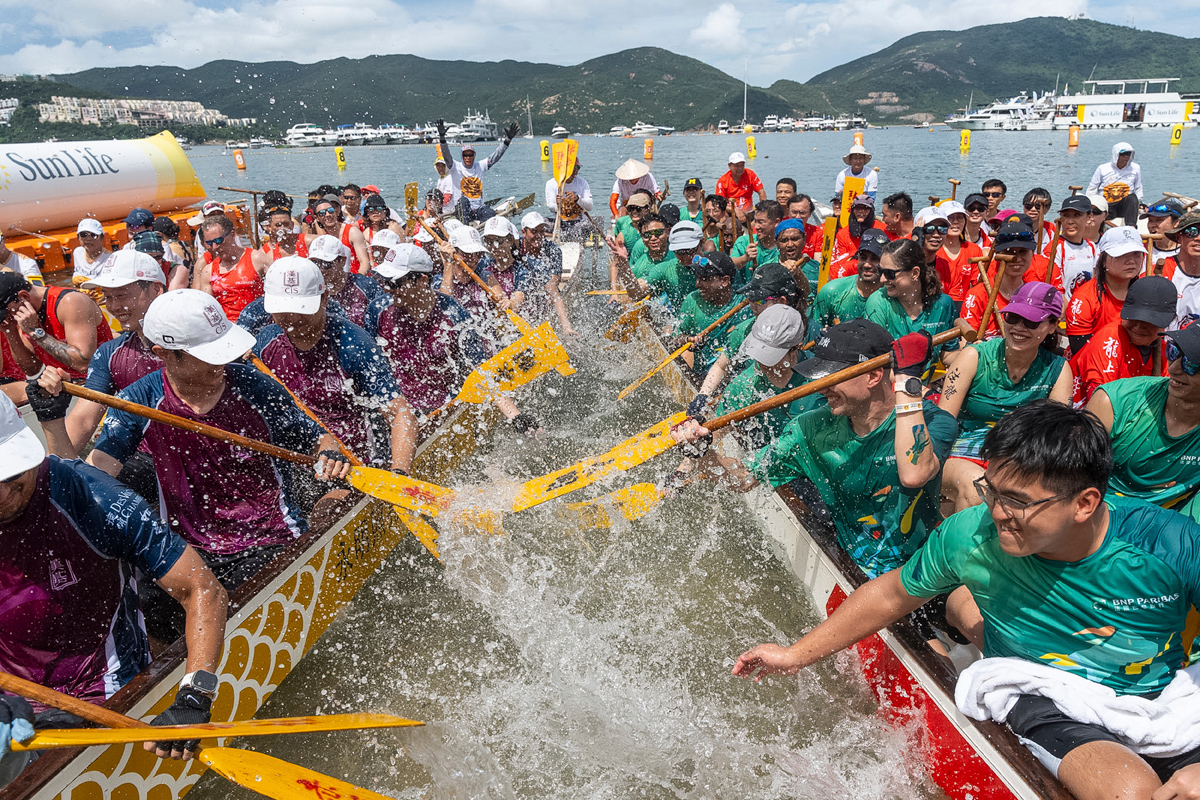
89 235
351 196
975 208
1013 319
1190 232
935 229
1017 509
1096 212
1036 206
211 243
656 232
1175 353
993 194
380 209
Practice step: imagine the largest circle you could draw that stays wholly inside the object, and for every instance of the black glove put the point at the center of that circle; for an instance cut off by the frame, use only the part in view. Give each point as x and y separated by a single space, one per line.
47 407
911 353
511 132
697 407
524 423
190 708
441 129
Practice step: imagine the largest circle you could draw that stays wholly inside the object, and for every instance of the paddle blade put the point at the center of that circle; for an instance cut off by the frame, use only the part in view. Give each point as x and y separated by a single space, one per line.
421 530
90 737
628 389
397 490
278 779
530 357
628 454
634 502
623 329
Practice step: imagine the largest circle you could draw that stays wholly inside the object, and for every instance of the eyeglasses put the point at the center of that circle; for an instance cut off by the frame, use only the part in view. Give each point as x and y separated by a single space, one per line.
1020 236
892 274
323 264
1036 206
326 211
1017 509
1175 353
1013 319
351 196
933 229
993 194
211 243
654 232
976 209
1190 232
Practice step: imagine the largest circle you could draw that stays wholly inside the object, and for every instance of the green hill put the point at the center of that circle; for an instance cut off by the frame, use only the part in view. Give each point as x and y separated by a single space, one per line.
938 71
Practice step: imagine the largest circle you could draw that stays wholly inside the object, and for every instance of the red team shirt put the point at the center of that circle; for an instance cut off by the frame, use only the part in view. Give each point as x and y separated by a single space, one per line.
1087 313
742 192
1108 356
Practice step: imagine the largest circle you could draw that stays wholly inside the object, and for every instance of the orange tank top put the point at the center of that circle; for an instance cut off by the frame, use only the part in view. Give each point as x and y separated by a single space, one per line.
354 265
238 287
276 252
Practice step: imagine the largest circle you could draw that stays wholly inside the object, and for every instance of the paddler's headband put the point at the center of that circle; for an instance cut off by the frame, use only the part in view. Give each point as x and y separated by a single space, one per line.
789 224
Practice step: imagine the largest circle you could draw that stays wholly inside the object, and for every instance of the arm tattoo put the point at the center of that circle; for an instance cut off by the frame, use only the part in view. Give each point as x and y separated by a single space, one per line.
61 351
920 442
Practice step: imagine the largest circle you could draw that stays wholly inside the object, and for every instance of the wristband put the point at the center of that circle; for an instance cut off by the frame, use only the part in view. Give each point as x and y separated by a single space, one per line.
905 408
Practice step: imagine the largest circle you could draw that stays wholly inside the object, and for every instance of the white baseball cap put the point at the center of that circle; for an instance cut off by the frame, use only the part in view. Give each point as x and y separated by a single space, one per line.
1098 201
192 321
467 239
293 285
685 235
20 448
90 225
737 158
125 267
949 207
401 260
385 238
327 248
498 226
423 235
927 215
1122 240
533 220
451 225
777 330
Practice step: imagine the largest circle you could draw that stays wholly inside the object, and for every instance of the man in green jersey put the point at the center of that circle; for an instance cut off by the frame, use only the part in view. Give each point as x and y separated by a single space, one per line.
665 275
875 453
1154 424
757 246
790 239
771 285
844 299
712 299
1062 576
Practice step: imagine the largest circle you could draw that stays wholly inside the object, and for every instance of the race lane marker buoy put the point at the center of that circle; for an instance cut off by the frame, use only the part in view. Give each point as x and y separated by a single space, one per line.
751 147
964 141
545 149
239 159
340 154
858 138
1176 134
648 149
1073 136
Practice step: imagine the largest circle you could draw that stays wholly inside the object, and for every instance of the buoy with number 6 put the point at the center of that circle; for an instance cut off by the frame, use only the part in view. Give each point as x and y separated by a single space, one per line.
1073 136
545 149
648 149
751 148
1176 134
964 141
239 159
340 154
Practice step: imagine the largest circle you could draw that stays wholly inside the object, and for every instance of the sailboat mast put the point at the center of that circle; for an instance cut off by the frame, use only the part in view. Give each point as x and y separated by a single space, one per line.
745 79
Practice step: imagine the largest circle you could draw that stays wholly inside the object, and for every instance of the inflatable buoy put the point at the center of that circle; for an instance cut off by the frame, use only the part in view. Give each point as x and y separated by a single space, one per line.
648 149
239 159
545 149
340 154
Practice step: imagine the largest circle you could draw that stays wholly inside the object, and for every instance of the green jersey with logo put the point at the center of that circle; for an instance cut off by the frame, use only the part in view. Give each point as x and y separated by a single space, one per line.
879 522
993 394
838 301
888 312
668 277
1117 617
696 314
1148 462
625 227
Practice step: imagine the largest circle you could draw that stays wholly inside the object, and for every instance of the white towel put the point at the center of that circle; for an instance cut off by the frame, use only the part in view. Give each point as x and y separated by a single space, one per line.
1168 725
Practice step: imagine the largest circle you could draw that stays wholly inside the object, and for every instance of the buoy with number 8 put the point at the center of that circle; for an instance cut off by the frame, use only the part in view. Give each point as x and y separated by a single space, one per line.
340 154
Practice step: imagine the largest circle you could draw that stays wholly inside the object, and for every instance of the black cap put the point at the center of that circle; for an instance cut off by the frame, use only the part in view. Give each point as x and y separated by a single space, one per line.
693 183
375 201
975 197
1151 299
712 265
1014 235
1187 339
1167 207
273 198
11 283
845 345
668 211
873 241
770 280
1076 202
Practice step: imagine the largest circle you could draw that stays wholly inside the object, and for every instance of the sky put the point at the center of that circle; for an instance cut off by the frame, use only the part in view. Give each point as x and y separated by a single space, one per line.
793 40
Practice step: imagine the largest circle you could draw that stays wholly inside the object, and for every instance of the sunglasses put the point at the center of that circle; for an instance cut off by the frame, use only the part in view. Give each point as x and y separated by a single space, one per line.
892 274
976 209
1036 206
351 196
215 242
326 211
1095 212
86 235
374 209
323 264
1161 208
1190 232
656 232
933 229
1175 353
1023 236
992 194
1013 319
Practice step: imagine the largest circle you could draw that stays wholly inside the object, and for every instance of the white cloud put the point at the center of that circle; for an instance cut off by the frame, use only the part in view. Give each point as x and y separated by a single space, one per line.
721 30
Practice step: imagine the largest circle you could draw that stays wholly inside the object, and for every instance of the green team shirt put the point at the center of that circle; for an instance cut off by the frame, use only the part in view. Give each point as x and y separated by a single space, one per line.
696 314
684 216
880 523
765 255
624 226
733 342
1117 617
812 270
643 264
993 394
1147 462
751 386
888 312
668 277
838 301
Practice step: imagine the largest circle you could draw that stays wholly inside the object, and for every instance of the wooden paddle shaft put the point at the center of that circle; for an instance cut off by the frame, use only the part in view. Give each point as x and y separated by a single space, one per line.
72 705
187 424
812 387
1075 190
954 184
722 318
1053 253
264 369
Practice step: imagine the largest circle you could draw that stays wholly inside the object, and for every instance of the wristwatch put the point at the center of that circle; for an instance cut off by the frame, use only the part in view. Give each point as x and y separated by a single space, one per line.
910 386
201 681
37 334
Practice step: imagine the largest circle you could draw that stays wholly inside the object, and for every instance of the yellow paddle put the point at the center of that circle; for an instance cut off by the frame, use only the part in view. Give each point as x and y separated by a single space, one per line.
622 330
91 737
607 291
412 494
634 502
656 439
257 772
563 156
686 346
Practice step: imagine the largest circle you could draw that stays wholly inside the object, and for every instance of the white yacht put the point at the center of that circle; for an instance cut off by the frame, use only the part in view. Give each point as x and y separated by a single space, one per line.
620 130
644 129
1141 103
481 125
770 124
1022 112
813 123
665 130
723 126
456 135
787 124
559 132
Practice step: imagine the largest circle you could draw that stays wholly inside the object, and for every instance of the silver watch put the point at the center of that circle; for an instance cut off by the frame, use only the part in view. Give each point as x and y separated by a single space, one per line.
37 334
202 681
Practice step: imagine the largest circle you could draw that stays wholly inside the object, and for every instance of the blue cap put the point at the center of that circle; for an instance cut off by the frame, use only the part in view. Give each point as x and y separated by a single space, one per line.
140 218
